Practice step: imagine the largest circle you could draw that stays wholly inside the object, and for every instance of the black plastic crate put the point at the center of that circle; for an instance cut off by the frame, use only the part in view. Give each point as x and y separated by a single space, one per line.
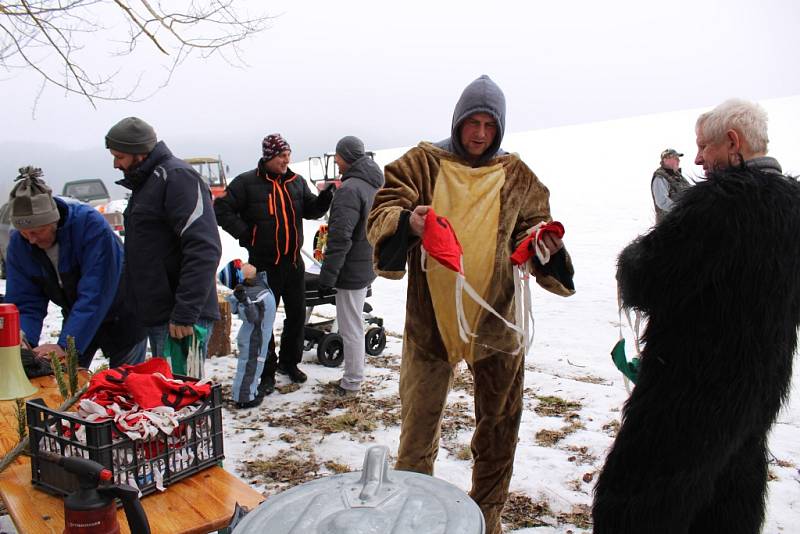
196 444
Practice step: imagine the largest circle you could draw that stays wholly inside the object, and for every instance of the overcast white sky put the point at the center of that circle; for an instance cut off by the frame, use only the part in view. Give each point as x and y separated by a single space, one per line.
390 72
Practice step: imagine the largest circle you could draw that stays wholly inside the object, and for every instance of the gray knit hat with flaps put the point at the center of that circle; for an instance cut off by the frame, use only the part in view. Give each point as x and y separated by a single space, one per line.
131 136
31 201
350 148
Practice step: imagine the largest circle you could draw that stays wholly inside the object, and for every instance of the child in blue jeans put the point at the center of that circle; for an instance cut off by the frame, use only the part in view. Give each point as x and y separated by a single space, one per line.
253 301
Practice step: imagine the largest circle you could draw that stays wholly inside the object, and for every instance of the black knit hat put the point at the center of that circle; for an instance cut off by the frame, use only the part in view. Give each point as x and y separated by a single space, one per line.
31 200
350 148
131 136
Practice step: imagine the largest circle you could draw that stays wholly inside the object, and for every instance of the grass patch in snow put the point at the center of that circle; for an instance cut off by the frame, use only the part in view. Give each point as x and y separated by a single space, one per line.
550 406
336 467
285 467
521 511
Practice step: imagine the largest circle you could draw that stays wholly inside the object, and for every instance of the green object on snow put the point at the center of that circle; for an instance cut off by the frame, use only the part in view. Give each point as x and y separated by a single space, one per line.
185 355
628 368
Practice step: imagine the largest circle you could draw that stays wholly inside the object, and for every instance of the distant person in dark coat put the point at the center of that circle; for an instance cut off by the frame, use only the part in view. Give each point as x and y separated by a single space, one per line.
667 183
66 253
264 209
172 246
348 257
719 278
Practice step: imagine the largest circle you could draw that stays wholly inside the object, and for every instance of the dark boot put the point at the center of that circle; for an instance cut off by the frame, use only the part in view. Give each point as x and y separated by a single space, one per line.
267 385
250 404
293 372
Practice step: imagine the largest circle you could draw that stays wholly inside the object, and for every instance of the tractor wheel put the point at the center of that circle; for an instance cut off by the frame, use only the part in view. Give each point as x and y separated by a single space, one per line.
330 352
375 340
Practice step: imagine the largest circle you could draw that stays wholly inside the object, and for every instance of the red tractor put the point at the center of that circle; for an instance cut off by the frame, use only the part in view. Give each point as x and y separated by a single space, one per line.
212 172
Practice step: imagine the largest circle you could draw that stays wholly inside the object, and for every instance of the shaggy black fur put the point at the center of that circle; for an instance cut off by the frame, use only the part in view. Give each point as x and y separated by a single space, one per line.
719 278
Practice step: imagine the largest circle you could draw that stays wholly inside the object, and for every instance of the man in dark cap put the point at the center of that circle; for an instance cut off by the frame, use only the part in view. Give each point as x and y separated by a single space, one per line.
172 246
667 183
264 209
66 253
348 256
492 201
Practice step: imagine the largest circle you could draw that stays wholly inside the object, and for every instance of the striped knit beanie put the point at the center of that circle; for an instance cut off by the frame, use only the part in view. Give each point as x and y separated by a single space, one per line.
272 145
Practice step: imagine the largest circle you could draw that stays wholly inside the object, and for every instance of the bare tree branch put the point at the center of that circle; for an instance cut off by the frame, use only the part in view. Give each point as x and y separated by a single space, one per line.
61 40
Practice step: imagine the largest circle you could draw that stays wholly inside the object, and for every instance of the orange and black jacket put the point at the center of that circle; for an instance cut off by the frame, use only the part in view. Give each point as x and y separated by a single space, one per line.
265 211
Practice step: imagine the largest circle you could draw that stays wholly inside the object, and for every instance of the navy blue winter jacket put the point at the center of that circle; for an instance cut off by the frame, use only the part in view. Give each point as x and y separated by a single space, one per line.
172 246
91 293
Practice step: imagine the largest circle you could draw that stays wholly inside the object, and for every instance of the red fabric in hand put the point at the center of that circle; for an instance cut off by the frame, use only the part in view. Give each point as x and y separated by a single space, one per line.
440 242
526 249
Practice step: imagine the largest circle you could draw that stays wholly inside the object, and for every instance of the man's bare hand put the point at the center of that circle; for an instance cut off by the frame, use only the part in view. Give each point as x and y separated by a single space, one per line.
43 351
552 242
417 219
177 331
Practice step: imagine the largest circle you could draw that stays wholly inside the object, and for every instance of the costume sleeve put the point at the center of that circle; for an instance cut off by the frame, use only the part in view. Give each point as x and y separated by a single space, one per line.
22 291
674 248
314 206
556 275
228 210
345 214
400 194
100 255
661 193
187 204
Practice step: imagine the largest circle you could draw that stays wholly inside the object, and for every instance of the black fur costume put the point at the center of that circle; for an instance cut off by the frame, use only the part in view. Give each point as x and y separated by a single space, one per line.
719 278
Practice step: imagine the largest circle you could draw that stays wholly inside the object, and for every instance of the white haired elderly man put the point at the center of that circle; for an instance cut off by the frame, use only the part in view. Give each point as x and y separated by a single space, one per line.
734 134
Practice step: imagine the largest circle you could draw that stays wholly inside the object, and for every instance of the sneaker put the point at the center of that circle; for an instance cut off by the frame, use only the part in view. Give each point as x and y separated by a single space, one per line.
267 386
294 373
250 404
339 390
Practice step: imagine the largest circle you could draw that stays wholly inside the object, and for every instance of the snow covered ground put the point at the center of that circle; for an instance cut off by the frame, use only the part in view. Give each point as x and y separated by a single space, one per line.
599 176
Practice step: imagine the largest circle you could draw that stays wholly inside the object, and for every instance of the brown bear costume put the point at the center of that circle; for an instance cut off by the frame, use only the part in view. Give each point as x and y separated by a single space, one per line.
491 205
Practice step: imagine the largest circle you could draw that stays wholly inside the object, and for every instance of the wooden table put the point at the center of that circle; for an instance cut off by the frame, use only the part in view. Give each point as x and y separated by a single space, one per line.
198 504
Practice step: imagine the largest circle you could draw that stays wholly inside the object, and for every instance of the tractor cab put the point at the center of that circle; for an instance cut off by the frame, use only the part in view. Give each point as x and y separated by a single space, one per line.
323 170
213 173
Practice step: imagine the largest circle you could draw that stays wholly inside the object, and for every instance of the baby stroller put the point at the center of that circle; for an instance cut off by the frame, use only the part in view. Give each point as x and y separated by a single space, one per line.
330 347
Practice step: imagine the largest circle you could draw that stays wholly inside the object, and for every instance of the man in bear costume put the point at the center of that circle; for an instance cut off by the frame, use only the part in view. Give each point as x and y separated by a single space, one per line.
719 278
492 200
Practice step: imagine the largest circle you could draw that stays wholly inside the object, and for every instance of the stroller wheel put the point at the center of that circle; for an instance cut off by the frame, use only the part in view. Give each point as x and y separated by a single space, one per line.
375 340
330 352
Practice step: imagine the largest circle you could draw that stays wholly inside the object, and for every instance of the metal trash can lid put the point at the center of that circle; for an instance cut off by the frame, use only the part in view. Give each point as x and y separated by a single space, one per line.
377 500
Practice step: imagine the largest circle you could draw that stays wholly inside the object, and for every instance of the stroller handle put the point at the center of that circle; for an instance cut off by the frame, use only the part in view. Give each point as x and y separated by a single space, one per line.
310 257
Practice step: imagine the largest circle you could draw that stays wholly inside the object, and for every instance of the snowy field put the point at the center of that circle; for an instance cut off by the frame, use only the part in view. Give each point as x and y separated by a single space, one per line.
599 176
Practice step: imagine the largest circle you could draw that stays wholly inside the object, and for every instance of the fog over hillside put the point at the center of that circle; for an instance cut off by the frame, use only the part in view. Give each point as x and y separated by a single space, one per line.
608 149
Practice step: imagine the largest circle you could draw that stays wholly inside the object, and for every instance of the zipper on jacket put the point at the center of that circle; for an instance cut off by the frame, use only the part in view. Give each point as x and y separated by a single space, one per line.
281 189
294 224
271 205
253 239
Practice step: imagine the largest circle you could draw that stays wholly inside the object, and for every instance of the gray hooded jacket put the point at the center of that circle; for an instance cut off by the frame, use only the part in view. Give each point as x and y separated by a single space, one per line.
348 256
481 96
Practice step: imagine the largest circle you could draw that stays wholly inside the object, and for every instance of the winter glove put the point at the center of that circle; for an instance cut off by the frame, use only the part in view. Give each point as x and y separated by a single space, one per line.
324 291
239 293
326 195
